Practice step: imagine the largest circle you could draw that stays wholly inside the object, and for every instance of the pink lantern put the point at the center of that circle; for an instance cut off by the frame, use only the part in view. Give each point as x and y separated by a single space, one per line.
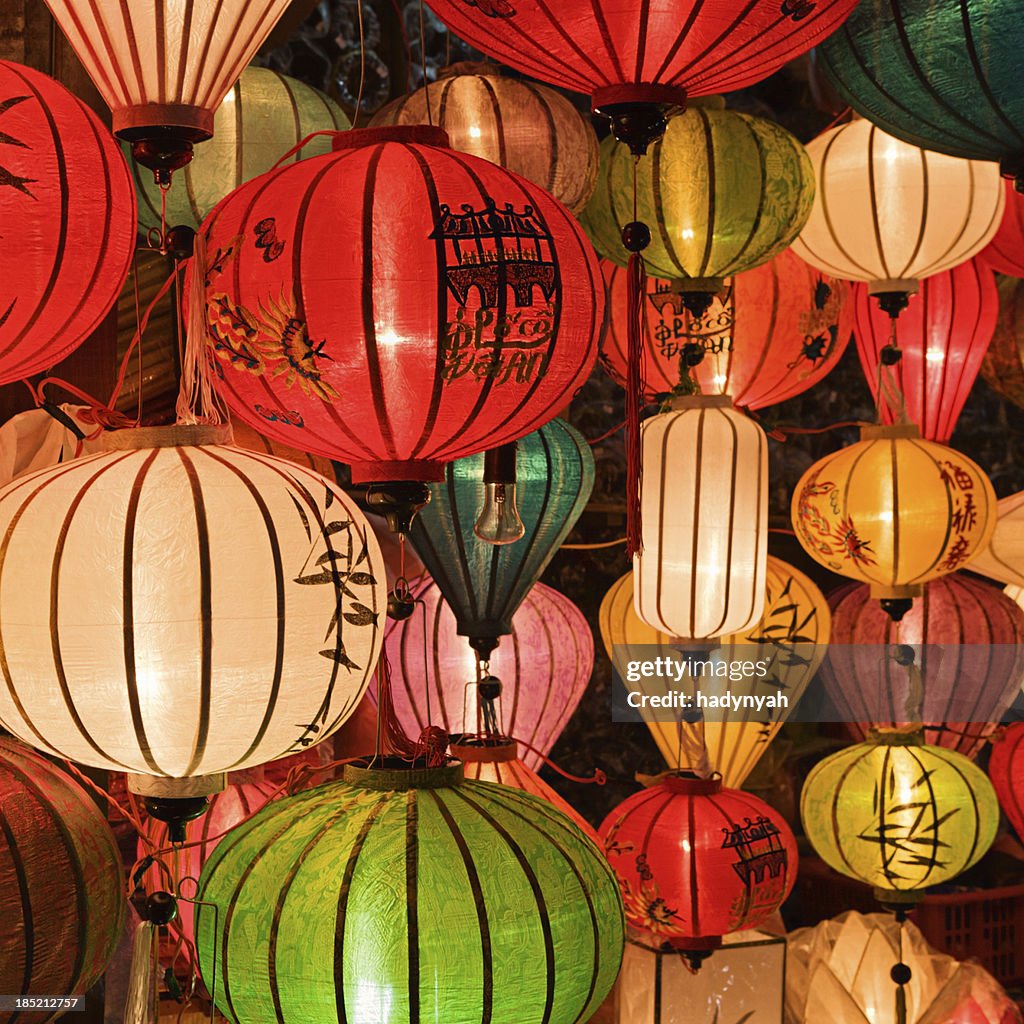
544 667
1005 252
966 691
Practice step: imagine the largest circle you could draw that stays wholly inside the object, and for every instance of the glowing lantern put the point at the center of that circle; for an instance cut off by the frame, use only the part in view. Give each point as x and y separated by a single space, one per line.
888 213
937 73
396 305
894 511
696 861
791 635
263 115
968 642
898 814
408 895
1003 559
943 335
69 200
1006 770
543 666
704 498
774 332
1003 365
206 608
484 583
1005 253
61 891
722 192
516 124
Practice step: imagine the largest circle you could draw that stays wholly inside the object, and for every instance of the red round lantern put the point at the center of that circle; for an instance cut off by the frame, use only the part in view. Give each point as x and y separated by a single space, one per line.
943 334
775 331
967 636
397 305
1005 252
1006 770
696 860
67 205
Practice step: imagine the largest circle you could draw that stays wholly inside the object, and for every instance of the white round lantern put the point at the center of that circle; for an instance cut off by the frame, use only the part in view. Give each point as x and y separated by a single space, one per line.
176 606
704 503
888 213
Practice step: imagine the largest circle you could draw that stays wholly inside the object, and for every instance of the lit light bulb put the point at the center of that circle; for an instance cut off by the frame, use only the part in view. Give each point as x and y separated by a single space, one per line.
499 522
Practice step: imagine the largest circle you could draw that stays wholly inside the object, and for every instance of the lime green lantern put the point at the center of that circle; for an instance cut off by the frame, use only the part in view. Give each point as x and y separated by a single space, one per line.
404 896
899 814
263 116
721 192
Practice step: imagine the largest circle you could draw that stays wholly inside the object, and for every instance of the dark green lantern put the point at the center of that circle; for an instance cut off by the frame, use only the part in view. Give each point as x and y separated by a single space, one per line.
484 583
401 896
941 74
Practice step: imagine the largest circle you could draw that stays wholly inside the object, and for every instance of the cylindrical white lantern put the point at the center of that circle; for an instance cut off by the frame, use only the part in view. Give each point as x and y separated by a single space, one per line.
176 606
704 503
888 213
1003 558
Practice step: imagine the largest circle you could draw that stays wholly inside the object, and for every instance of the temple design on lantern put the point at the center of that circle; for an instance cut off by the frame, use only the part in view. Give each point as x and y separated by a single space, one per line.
759 845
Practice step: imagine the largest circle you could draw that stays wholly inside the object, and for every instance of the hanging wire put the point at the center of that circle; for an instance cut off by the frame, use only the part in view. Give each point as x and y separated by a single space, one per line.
423 65
362 64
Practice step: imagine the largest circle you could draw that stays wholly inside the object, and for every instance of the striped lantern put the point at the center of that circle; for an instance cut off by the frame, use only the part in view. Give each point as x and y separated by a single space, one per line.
170 607
68 211
263 116
968 639
517 124
696 860
61 891
791 635
898 814
1005 253
704 501
165 66
943 335
888 213
1003 365
1006 770
1003 558
722 192
406 896
396 305
893 511
544 666
773 333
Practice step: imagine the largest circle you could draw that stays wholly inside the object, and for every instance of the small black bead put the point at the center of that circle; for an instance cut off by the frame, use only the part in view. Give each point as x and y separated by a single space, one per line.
903 654
490 687
636 236
900 974
891 355
181 241
160 908
399 608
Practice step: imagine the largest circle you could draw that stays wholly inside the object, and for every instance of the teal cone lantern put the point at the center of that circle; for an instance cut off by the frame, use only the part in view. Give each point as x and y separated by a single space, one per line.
405 896
484 583
941 74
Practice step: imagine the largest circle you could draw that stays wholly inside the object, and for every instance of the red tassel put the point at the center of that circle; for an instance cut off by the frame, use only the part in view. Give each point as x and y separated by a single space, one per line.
391 737
637 286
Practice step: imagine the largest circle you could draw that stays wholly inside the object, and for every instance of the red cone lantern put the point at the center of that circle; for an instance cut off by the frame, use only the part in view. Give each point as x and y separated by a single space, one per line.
943 334
67 205
397 305
964 695
1006 770
696 860
1005 252
775 331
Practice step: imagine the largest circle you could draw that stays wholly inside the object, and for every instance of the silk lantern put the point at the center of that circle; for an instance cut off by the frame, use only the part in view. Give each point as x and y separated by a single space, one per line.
968 643
1003 559
544 666
791 636
396 305
704 500
409 895
887 213
517 124
1005 253
67 202
696 860
1006 770
1003 365
263 115
722 192
484 583
938 73
943 336
773 333
61 891
898 814
203 609
893 511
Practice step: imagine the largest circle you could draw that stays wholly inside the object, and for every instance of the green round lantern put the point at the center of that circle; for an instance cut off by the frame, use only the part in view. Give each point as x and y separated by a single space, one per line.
409 895
899 814
941 74
263 116
722 192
